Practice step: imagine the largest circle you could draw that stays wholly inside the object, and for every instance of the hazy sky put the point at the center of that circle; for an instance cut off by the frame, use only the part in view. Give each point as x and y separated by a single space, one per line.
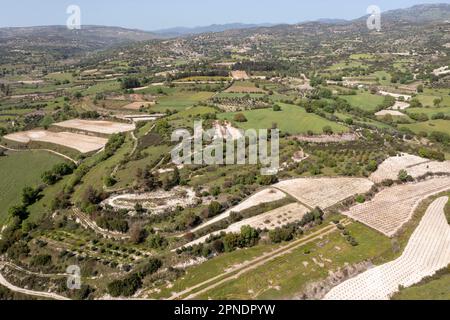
157 14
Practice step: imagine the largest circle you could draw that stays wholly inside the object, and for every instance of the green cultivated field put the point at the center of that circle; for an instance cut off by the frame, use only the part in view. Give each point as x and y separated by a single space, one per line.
18 170
430 126
180 100
428 96
430 111
292 119
364 100
438 289
95 177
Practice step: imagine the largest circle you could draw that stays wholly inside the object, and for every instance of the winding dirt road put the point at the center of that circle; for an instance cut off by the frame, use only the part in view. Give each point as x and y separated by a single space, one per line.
239 270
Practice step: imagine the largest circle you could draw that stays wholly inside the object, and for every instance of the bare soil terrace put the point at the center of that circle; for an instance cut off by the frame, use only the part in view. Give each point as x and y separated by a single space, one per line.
390 209
96 126
79 142
324 192
426 253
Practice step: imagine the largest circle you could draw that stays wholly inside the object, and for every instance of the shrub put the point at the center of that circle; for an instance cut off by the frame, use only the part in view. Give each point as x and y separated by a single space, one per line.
157 241
282 234
268 180
41 260
214 209
125 287
327 130
360 198
152 266
240 118
276 108
403 176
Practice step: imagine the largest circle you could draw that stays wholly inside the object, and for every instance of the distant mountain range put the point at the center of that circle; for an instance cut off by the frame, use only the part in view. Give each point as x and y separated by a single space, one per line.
88 37
183 31
101 37
423 13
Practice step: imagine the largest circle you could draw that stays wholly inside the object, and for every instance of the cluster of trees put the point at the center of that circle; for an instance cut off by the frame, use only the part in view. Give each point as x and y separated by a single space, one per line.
419 117
91 198
128 286
212 210
402 77
440 116
89 115
29 196
225 242
57 173
146 179
240 117
386 104
245 102
431 154
285 233
114 143
111 220
403 176
172 181
130 83
440 137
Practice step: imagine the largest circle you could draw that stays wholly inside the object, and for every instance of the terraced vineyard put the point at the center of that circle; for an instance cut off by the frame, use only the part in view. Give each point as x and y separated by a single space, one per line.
426 252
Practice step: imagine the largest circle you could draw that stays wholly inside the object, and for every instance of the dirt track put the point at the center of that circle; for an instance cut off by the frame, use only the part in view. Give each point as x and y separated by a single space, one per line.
426 253
47 150
88 223
237 271
41 294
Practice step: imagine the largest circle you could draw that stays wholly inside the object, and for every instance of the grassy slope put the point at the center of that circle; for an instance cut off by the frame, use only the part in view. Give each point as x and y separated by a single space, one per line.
428 96
179 100
430 126
437 289
291 119
430 111
95 177
21 169
364 100
286 276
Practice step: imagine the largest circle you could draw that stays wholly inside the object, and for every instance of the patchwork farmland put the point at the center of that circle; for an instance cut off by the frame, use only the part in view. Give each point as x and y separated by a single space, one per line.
79 142
95 126
324 192
426 252
390 209
88 132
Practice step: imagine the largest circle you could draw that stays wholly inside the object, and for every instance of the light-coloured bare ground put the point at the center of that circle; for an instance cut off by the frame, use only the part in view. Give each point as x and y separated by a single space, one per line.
441 71
96 126
156 202
270 220
141 117
396 95
87 223
241 88
414 165
394 113
400 105
264 196
426 253
241 269
324 192
137 105
47 295
226 130
328 138
80 142
134 97
239 75
390 209
30 81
